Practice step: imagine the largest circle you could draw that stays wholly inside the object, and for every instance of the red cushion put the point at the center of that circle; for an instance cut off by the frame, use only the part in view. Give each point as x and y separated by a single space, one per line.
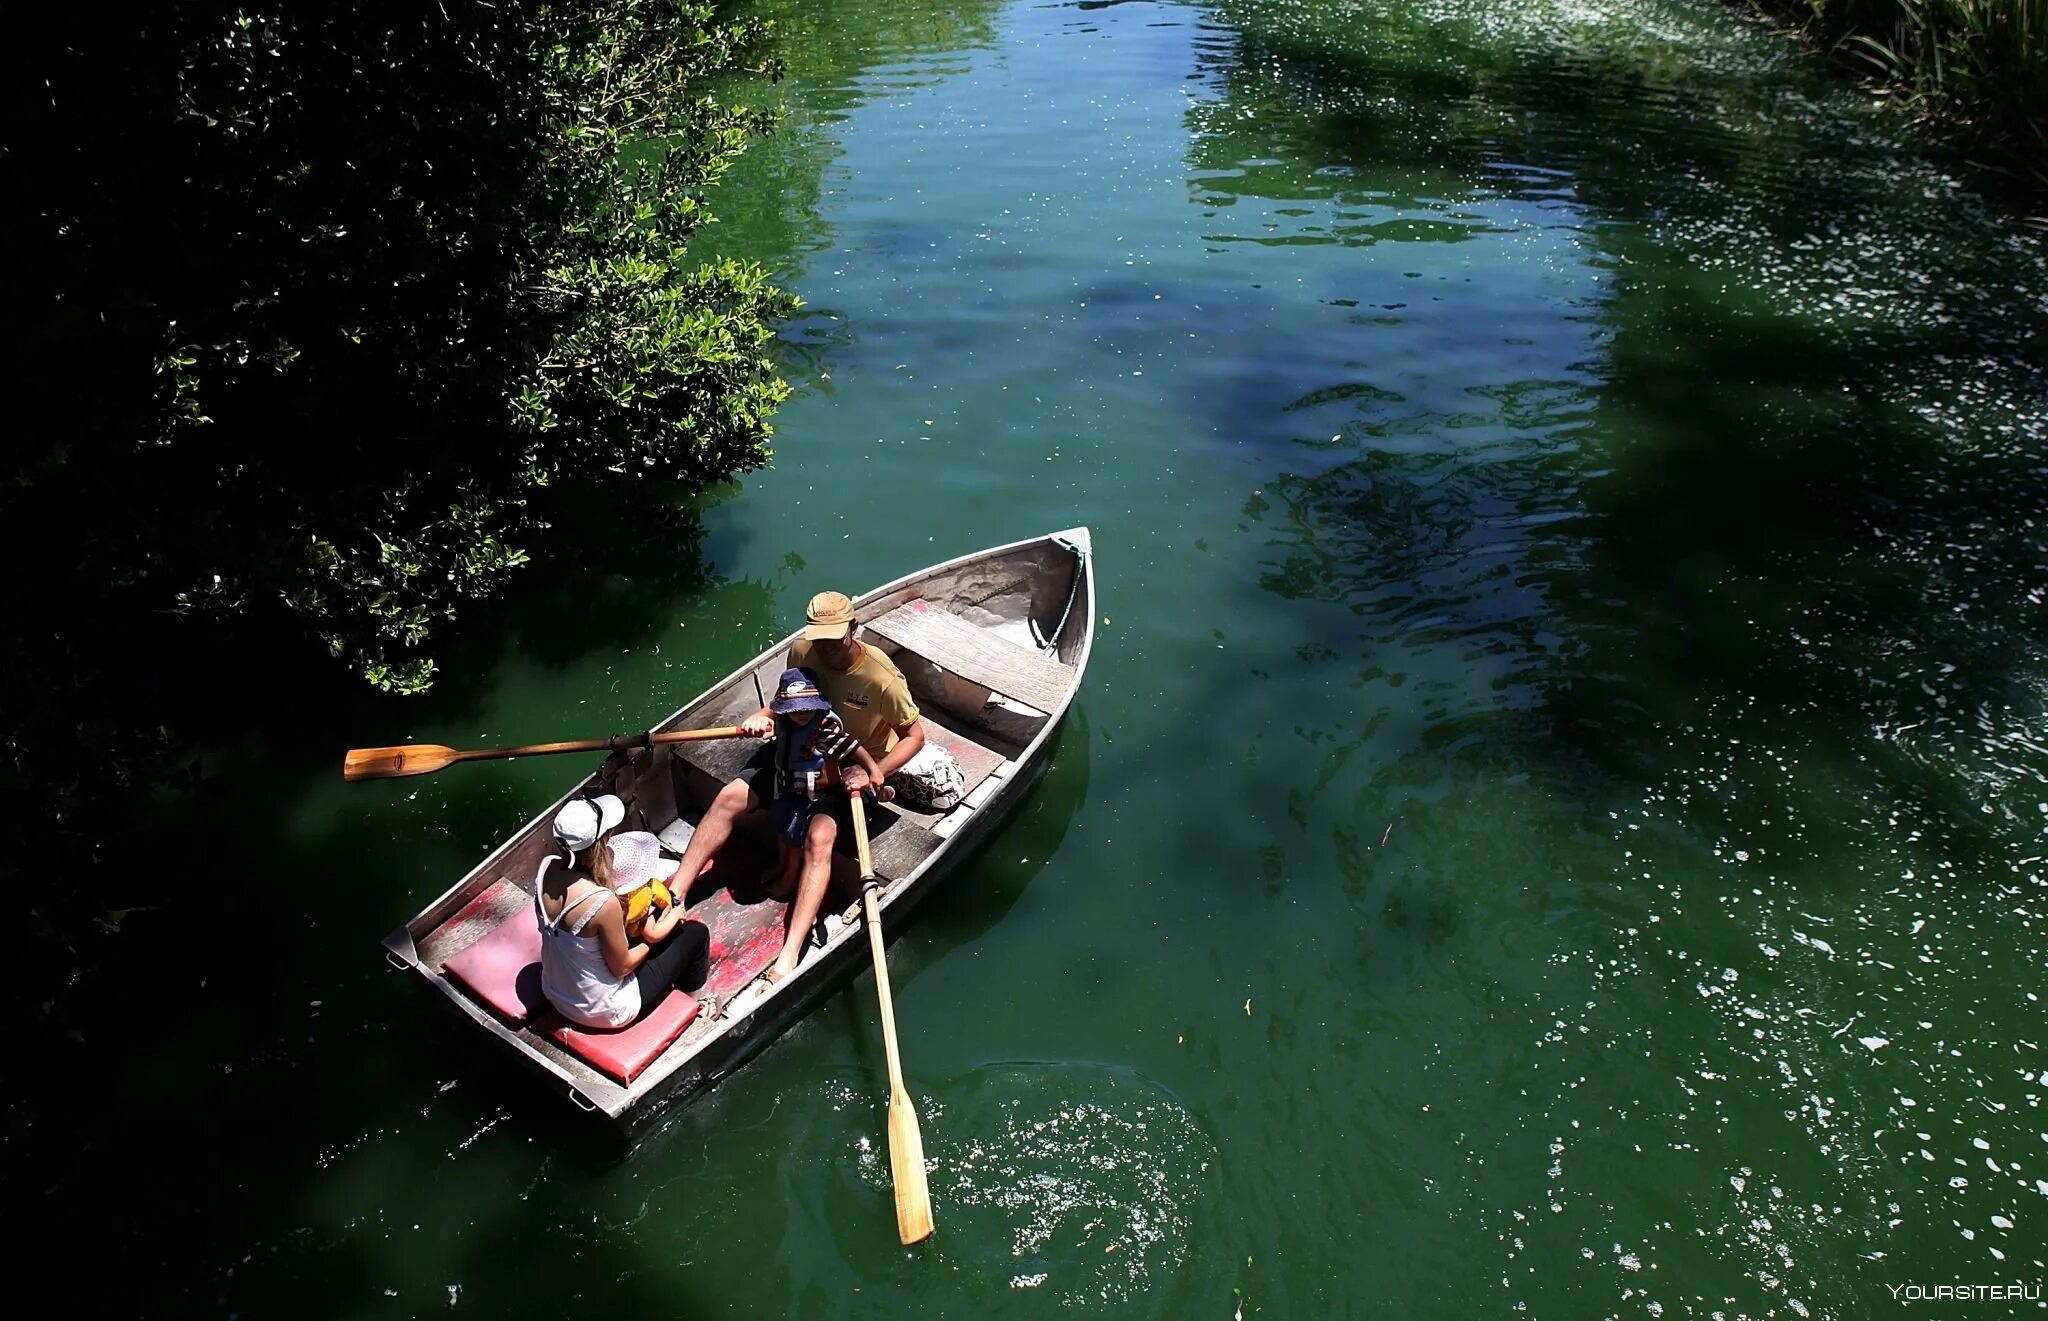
503 968
625 1052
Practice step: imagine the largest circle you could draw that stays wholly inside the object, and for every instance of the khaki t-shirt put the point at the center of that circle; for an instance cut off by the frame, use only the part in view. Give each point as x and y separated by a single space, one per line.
871 698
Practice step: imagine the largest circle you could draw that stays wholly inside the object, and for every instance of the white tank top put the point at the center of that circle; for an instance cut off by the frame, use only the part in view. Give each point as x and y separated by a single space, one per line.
573 973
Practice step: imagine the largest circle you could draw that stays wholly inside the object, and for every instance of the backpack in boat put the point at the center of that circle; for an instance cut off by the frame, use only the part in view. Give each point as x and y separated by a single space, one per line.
931 781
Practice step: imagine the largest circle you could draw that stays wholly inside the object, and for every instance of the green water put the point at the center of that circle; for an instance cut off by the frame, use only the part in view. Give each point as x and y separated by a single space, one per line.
1555 820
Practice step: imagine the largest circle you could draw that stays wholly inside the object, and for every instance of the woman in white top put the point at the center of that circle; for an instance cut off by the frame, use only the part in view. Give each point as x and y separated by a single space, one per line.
592 974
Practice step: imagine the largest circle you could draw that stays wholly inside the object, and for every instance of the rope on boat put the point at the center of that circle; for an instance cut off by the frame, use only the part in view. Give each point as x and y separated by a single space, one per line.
1073 591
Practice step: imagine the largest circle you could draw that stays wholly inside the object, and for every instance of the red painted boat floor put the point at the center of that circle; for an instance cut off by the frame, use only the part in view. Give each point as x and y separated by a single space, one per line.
746 925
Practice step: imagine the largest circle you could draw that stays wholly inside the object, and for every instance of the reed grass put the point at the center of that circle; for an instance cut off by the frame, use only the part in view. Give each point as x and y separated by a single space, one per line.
1982 64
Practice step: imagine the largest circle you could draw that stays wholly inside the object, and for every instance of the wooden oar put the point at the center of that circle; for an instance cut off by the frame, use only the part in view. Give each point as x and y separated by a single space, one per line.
906 1144
426 758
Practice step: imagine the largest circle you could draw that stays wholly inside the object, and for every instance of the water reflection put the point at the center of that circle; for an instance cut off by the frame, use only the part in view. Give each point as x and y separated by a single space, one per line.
843 56
1669 529
1663 458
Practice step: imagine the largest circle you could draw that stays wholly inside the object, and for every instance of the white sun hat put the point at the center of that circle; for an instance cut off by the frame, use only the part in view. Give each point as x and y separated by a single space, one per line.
636 860
582 820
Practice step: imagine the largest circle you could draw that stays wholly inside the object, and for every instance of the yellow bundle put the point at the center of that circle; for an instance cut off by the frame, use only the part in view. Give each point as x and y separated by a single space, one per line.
628 856
639 903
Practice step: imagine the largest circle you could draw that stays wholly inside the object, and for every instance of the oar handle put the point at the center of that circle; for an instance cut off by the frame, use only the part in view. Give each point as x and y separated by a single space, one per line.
870 895
426 758
532 750
871 902
615 743
860 839
679 736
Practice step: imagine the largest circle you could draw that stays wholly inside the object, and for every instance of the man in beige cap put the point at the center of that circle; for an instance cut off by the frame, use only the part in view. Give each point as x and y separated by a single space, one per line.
863 685
869 695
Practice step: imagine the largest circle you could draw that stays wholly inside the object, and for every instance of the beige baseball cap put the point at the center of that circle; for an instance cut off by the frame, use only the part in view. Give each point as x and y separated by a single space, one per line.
829 615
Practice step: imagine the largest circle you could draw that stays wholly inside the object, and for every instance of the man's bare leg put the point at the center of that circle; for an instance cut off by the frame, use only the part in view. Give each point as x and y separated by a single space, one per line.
736 798
810 895
789 860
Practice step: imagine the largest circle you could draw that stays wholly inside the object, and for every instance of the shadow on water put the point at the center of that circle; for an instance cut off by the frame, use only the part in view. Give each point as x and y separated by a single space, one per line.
1761 533
984 887
251 971
614 559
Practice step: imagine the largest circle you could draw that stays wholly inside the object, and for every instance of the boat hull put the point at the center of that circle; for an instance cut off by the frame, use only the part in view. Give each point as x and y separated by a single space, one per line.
1056 614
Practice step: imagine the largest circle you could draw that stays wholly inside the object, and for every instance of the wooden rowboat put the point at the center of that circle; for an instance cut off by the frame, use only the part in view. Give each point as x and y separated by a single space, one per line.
993 645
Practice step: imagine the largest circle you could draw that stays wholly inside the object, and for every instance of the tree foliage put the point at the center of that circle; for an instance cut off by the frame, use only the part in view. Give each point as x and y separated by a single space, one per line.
311 299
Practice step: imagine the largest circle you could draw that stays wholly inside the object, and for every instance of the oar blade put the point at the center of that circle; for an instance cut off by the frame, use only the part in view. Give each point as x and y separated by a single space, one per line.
391 763
906 1171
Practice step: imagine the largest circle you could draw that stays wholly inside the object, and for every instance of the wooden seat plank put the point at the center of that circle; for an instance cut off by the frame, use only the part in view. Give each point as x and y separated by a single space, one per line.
896 843
726 758
722 759
976 654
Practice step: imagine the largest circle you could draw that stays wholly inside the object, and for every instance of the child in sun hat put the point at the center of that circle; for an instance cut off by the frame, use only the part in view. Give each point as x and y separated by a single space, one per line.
630 864
810 744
